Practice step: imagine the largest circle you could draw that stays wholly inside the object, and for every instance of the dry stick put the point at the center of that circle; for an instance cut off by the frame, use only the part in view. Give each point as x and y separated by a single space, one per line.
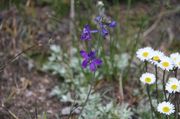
158 20
87 98
14 58
9 111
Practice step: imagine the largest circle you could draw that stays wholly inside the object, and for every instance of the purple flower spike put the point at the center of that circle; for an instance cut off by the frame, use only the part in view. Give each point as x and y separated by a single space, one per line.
113 24
91 60
86 33
104 23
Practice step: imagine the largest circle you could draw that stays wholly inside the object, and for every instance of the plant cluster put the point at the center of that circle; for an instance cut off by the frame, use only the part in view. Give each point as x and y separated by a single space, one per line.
167 99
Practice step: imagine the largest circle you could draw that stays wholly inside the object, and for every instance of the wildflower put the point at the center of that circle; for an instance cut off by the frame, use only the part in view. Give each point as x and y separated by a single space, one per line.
173 85
166 63
86 33
177 63
156 57
145 54
176 59
148 78
165 108
174 56
104 24
91 60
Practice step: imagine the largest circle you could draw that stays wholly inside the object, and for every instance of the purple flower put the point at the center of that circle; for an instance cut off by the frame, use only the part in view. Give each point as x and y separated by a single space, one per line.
86 33
112 24
104 23
104 32
91 60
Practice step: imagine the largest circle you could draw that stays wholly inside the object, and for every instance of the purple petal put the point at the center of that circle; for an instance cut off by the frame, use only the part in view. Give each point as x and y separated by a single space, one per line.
94 31
84 63
84 54
97 61
92 66
92 54
112 24
98 18
104 32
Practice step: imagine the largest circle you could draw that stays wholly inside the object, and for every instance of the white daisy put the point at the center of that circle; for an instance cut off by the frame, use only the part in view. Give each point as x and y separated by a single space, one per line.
144 54
177 63
173 85
148 78
156 57
174 56
166 63
165 108
176 59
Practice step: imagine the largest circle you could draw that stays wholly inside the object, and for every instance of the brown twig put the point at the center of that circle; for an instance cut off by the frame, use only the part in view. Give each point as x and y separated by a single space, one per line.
9 111
14 58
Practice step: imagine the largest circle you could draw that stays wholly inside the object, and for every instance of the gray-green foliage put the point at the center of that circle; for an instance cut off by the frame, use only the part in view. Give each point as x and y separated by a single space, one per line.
68 66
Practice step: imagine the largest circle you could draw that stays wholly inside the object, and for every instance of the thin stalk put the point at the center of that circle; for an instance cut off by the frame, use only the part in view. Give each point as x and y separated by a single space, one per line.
148 92
150 100
87 98
132 54
164 90
156 75
146 66
176 99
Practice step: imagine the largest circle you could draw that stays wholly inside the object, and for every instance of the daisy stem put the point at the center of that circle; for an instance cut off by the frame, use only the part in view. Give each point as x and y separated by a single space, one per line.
175 72
146 67
156 74
87 98
150 100
148 92
176 99
164 73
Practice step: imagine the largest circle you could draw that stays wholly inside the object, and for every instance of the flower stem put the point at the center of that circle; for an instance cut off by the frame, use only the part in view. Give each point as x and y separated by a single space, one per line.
156 74
176 101
87 98
150 100
146 67
148 92
164 90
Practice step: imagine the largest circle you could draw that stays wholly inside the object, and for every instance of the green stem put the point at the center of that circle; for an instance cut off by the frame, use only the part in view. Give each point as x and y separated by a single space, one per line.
87 98
156 74
176 101
164 90
150 100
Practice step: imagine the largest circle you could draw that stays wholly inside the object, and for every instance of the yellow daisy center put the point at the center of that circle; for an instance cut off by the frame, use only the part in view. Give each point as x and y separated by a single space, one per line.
156 58
174 87
145 54
147 79
166 109
165 64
